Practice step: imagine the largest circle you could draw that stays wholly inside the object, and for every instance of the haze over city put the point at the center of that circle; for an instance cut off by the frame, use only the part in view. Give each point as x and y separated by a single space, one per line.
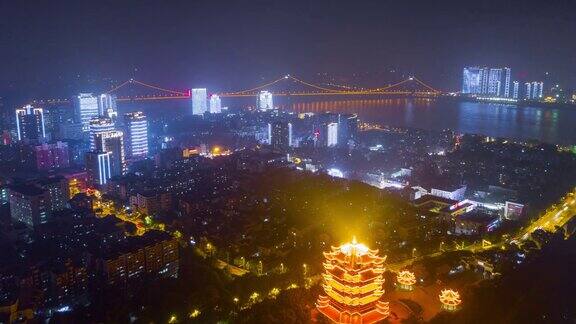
287 162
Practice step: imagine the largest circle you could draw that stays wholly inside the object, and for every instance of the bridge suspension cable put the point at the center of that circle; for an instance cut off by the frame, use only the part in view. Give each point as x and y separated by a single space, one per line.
148 86
425 85
257 88
118 87
315 86
161 89
320 90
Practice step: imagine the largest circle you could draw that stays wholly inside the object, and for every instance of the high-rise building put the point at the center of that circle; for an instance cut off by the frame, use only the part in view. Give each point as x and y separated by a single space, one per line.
113 142
199 101
56 116
332 134
507 76
265 101
516 88
484 73
30 123
537 90
107 105
495 82
85 108
280 134
347 128
486 81
98 167
99 125
72 131
29 205
215 104
471 80
136 132
541 90
51 156
528 94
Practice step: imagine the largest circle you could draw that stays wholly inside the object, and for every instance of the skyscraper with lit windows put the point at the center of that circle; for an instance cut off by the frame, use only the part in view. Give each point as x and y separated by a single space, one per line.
332 134
471 80
537 90
86 108
98 167
265 101
30 123
113 142
107 105
99 125
528 93
215 104
516 88
136 132
495 82
199 101
507 76
280 133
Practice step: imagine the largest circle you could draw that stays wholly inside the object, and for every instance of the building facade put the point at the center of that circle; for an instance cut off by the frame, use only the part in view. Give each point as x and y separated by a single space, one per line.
30 123
113 143
136 132
332 134
265 100
29 205
107 106
98 167
493 82
280 135
97 126
215 104
199 101
85 108
51 156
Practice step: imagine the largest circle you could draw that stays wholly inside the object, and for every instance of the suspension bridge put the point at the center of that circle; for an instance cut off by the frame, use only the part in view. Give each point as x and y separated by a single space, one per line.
287 85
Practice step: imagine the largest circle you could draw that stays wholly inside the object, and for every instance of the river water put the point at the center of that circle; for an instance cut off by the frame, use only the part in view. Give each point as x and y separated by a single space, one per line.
551 125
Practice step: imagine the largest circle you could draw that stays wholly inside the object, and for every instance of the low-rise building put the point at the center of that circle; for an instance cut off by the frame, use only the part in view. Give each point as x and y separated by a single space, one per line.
154 254
475 223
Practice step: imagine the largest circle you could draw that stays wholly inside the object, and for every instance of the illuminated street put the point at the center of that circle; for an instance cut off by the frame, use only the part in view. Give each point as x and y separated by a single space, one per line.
292 162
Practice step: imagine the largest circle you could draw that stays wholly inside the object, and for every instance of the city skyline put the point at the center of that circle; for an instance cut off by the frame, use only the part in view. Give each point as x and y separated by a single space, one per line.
290 162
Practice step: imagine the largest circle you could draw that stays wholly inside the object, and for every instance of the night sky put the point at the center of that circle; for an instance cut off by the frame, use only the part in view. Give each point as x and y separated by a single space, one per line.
55 48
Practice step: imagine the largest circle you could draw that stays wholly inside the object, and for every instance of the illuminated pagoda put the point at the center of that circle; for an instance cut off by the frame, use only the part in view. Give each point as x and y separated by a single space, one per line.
406 280
450 299
353 283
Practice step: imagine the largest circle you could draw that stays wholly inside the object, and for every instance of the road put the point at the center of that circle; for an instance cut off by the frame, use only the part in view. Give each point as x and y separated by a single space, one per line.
555 217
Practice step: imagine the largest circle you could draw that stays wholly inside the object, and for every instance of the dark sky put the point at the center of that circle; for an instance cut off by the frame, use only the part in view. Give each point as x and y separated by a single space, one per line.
55 47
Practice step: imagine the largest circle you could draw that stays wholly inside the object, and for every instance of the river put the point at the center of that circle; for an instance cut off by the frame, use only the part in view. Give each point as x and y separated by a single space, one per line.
551 125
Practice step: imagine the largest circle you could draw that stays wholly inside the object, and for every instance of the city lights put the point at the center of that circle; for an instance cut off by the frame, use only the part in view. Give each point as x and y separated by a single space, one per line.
450 299
211 163
406 280
353 284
